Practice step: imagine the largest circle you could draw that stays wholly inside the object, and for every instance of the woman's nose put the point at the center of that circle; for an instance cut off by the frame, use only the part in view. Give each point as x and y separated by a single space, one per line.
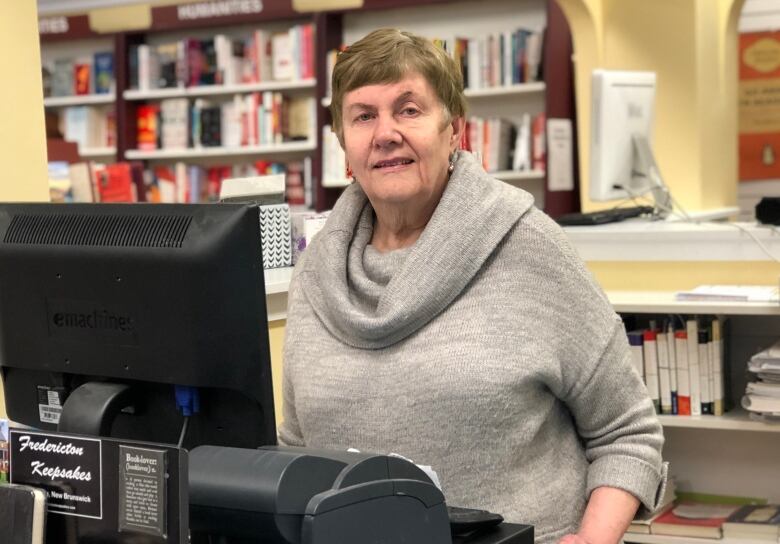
386 131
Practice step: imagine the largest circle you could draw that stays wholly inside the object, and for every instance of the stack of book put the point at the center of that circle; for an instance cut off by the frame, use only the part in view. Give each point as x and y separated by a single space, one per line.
754 522
682 364
762 396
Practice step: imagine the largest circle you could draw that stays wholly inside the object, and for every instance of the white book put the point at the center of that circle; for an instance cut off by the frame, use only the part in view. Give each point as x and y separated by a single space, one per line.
522 156
693 366
704 372
664 375
672 366
650 356
507 58
281 60
683 374
474 64
718 367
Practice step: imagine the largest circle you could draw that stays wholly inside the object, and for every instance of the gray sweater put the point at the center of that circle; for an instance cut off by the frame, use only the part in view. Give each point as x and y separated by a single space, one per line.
485 350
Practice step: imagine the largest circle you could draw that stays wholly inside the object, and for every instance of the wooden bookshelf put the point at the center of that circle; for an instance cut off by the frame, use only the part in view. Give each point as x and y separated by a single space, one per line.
217 90
663 302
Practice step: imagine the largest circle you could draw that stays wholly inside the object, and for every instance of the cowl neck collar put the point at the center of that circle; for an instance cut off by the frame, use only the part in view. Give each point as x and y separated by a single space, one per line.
474 214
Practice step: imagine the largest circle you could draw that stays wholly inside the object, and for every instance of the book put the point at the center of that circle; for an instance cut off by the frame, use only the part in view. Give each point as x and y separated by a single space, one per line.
642 521
650 356
103 67
754 521
696 519
23 514
692 327
635 341
731 293
759 78
683 374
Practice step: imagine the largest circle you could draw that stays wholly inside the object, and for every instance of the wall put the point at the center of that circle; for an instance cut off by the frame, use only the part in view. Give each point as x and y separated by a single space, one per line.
23 137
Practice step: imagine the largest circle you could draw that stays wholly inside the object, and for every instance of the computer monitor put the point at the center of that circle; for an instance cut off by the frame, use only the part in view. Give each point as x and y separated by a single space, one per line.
105 308
622 164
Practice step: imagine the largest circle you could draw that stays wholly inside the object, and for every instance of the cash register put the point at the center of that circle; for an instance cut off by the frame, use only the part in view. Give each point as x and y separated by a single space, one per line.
148 323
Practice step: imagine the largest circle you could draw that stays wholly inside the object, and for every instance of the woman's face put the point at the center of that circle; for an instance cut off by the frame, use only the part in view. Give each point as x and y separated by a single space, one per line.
397 141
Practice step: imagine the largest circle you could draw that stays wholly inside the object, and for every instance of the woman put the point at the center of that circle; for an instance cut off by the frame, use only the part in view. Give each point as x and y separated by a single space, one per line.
439 315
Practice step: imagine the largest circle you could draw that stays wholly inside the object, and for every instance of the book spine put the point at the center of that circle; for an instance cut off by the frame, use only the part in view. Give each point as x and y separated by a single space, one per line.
672 354
650 354
693 366
664 375
704 371
718 369
683 375
635 341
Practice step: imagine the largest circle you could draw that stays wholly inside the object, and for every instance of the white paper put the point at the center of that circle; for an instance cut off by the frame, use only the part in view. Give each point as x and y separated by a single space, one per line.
560 160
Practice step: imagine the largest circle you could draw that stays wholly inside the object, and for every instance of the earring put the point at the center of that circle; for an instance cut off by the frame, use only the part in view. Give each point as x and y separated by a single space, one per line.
350 175
451 166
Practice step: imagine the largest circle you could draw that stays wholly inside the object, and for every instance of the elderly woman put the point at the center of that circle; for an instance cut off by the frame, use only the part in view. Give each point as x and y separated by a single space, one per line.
440 315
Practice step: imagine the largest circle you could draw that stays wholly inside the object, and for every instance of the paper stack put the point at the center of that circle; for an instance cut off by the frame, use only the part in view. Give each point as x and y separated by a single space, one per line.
762 397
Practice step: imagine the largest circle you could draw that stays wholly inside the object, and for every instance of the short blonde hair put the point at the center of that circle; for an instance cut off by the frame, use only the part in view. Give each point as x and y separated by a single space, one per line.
387 55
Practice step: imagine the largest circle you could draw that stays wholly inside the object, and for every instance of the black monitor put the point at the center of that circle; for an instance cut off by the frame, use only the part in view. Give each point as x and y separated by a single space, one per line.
105 308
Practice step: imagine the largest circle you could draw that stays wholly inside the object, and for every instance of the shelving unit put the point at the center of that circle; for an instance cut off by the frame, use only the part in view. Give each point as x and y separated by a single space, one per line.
729 454
97 152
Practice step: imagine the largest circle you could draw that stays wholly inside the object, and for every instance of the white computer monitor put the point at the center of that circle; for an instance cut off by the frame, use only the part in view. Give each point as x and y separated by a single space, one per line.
622 164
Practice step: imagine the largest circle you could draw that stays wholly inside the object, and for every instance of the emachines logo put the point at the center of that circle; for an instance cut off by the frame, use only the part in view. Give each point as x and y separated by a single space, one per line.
89 320
94 320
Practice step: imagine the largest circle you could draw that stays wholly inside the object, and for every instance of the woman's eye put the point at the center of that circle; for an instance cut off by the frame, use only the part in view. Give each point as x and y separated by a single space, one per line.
410 111
363 117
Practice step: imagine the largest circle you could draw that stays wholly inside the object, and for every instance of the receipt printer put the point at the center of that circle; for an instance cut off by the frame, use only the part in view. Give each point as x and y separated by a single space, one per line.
300 495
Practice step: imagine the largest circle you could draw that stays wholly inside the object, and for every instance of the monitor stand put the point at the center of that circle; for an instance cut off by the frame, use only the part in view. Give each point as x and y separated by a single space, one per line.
92 408
644 169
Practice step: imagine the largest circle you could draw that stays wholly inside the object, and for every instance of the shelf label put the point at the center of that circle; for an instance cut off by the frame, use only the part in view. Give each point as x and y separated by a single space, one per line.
53 25
219 8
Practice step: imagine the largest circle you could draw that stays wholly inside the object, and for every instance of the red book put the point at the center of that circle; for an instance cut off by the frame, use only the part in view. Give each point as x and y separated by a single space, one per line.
81 73
146 119
115 184
693 519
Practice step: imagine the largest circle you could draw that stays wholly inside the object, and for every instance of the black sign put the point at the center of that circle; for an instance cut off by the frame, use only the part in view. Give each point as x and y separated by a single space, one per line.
67 467
142 501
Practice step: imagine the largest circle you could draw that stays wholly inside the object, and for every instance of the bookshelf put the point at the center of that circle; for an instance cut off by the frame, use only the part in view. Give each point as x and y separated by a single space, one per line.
729 454
170 23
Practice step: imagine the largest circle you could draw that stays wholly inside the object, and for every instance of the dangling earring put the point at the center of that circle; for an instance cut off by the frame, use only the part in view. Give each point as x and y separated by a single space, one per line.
451 166
350 175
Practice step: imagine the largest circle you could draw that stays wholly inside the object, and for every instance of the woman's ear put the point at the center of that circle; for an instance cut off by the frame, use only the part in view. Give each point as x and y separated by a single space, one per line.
458 128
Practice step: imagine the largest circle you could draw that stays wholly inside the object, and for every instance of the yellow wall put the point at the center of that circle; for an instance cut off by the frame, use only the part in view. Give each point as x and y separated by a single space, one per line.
22 134
276 337
692 46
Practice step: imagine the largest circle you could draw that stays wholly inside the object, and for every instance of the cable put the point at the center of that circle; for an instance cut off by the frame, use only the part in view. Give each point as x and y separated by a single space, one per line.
183 430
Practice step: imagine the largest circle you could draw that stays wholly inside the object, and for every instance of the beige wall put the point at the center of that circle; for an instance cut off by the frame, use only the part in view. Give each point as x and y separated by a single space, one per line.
22 134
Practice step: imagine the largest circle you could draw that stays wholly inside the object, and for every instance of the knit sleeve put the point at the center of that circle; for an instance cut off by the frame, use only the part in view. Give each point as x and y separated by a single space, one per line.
617 423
